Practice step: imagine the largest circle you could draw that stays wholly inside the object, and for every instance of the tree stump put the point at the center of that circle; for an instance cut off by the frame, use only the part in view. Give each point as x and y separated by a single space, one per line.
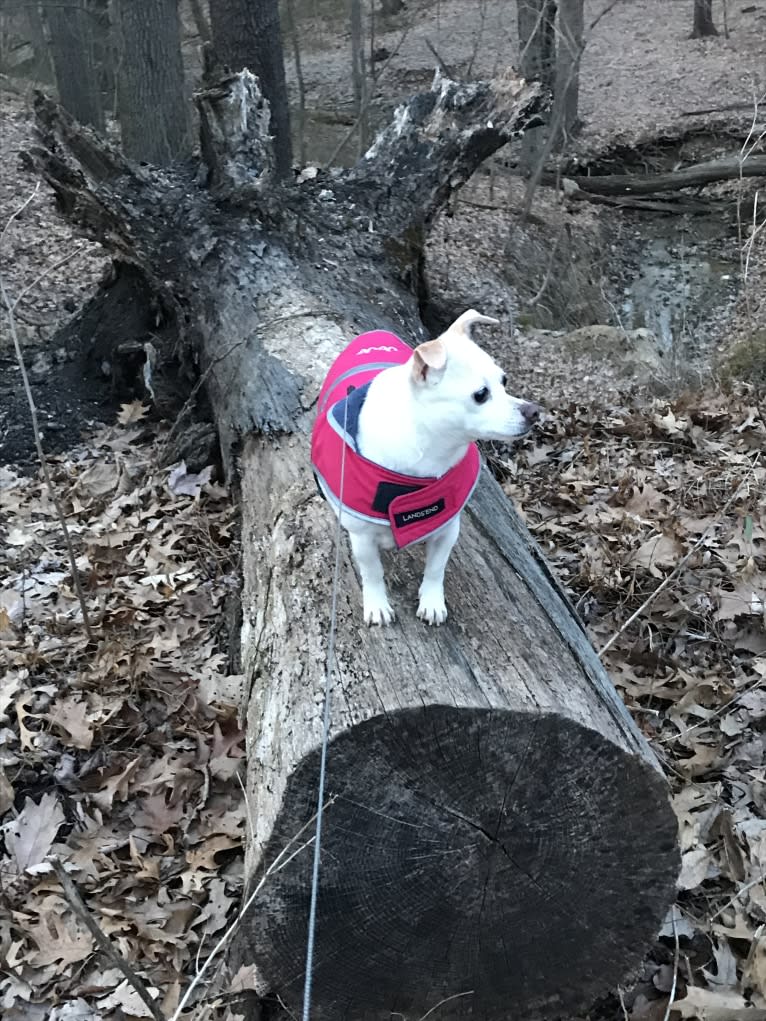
498 838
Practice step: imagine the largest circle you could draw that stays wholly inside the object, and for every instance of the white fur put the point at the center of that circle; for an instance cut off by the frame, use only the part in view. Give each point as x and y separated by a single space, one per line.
418 419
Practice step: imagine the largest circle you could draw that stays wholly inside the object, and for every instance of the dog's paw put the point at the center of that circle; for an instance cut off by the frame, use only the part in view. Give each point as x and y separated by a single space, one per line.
432 608
378 612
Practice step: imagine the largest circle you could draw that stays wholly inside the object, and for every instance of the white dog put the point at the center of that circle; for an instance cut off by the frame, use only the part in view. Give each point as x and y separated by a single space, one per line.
393 448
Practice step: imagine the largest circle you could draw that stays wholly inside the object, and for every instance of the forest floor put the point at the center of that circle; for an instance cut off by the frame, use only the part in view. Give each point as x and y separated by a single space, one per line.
119 751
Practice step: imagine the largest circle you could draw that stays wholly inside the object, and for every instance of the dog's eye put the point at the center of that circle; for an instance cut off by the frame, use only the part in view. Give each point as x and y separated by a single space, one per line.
503 381
481 395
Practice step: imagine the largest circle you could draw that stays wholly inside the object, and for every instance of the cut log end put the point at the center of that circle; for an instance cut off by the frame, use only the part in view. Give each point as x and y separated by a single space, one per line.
498 858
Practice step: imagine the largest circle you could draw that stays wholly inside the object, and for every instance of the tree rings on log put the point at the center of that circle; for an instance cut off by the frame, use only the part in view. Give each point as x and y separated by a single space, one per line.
504 862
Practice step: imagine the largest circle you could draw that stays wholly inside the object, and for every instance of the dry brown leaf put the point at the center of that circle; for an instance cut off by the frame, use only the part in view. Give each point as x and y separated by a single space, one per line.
30 836
58 942
116 787
70 715
657 552
100 479
695 866
6 792
184 483
126 999
755 968
204 856
748 598
712 1005
671 425
132 412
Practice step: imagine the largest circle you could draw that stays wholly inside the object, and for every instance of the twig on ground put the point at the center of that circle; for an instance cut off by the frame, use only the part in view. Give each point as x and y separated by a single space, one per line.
41 276
41 456
79 907
675 967
547 278
733 900
35 320
718 711
673 574
276 866
18 213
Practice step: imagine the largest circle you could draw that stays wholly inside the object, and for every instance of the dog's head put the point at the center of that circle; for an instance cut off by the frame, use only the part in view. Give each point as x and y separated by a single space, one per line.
461 389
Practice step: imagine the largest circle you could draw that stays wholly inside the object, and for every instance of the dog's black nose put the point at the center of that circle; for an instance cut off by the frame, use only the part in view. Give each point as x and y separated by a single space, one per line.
531 411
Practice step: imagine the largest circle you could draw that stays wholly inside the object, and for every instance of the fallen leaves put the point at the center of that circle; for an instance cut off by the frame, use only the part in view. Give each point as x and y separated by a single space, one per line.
662 510
29 837
119 756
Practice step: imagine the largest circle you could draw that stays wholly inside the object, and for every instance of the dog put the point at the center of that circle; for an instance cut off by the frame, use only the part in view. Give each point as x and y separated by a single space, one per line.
394 448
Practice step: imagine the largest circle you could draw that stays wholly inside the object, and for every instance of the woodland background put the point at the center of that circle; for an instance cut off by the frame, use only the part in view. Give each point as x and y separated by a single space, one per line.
637 320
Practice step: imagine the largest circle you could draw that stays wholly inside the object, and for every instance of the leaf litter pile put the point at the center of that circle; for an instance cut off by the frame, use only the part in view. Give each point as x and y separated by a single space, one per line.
661 508
120 755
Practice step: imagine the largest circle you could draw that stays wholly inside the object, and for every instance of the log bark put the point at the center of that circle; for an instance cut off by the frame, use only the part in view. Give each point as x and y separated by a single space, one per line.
695 176
498 833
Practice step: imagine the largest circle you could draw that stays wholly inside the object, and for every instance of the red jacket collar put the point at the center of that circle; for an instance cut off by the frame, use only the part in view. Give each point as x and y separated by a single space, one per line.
415 508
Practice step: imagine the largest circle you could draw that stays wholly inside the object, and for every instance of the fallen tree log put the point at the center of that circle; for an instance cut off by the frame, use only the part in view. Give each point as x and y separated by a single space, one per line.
695 176
498 835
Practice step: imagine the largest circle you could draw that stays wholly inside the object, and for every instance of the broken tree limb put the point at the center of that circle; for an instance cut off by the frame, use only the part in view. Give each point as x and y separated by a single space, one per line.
695 176
499 835
670 206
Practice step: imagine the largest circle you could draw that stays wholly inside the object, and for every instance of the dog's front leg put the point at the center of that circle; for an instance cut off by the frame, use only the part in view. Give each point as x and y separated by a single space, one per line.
365 544
432 607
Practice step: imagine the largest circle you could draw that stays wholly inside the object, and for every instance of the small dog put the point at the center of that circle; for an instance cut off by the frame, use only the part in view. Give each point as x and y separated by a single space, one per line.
394 453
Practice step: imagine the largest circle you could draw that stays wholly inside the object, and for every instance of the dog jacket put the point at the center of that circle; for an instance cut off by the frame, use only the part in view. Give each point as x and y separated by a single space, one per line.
414 507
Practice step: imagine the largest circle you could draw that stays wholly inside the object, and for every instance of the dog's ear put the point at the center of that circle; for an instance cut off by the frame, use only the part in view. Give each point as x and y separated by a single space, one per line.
462 325
428 360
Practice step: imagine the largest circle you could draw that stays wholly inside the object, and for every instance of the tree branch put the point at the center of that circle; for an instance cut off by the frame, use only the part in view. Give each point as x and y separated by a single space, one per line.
78 905
235 139
694 176
83 170
437 141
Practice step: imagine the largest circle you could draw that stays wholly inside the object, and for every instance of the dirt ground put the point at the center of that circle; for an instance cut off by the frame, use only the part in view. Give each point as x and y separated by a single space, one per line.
640 71
647 496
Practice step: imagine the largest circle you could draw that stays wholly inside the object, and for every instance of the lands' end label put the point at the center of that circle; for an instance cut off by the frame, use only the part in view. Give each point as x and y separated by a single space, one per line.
412 517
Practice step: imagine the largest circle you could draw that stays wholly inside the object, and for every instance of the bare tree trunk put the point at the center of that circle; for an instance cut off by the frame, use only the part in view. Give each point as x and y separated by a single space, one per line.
292 28
247 33
537 43
498 833
358 74
566 89
152 103
71 41
43 70
703 19
200 21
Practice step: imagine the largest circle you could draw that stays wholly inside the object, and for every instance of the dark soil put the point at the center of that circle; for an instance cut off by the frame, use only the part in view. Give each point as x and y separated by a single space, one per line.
79 380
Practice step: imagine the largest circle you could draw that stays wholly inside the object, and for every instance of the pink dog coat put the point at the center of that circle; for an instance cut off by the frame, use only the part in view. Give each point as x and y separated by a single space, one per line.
415 508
